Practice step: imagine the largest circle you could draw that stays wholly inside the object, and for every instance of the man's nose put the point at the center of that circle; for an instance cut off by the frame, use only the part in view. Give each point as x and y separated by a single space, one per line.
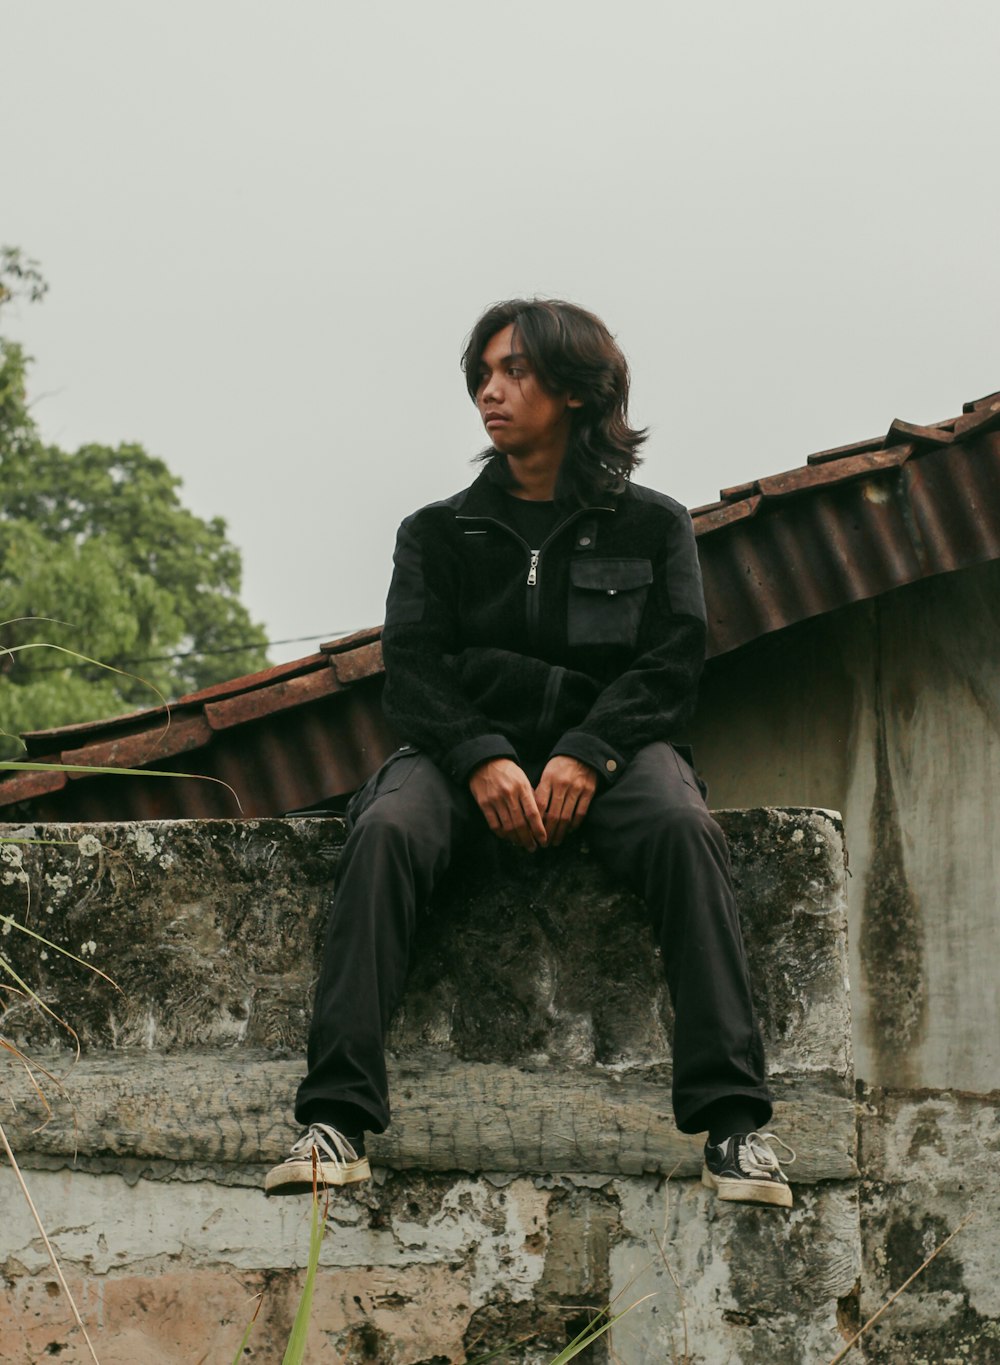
492 390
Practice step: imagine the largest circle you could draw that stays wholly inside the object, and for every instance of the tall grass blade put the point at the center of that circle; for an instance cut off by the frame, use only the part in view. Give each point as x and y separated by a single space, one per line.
580 1342
85 658
590 1334
238 1357
6 967
23 928
905 1285
19 765
54 843
48 1245
21 1057
500 1351
295 1351
19 620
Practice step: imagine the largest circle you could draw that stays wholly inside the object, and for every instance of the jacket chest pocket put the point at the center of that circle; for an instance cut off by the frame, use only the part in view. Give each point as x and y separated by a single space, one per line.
606 599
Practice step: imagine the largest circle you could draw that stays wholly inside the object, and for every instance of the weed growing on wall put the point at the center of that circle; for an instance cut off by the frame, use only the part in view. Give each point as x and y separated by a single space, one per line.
295 1351
16 981
23 988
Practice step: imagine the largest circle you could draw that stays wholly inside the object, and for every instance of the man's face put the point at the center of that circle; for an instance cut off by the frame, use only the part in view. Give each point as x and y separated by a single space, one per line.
520 417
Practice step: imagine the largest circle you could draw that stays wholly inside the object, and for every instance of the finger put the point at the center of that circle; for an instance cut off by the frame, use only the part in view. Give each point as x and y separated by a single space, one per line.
487 814
553 812
515 826
521 835
498 819
582 806
531 813
505 819
562 824
506 832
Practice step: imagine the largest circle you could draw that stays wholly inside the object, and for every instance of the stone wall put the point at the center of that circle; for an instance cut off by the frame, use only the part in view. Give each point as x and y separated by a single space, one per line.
532 1173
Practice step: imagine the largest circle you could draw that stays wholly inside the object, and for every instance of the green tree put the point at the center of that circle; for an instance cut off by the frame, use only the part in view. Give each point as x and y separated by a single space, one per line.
100 539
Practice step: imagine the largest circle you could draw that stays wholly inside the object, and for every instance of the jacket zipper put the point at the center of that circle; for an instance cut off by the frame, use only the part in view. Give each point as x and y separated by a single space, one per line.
533 610
532 604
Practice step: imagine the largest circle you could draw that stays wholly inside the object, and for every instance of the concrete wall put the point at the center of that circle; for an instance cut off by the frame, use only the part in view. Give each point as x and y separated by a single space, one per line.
532 1173
931 1161
889 711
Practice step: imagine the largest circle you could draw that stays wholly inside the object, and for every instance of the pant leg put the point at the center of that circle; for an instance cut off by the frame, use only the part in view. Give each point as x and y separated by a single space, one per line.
653 830
401 842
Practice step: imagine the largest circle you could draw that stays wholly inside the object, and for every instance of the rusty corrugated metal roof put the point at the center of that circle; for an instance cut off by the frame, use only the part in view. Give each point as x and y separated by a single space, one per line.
849 524
288 738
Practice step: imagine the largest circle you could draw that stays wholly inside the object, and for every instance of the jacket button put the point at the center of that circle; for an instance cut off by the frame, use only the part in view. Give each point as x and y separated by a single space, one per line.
584 540
611 765
612 592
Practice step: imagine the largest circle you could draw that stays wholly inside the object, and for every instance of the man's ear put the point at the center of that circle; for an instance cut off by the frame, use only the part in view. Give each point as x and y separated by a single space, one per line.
572 402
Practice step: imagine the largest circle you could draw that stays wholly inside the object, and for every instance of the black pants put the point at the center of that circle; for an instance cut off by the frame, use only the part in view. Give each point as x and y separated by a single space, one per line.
652 830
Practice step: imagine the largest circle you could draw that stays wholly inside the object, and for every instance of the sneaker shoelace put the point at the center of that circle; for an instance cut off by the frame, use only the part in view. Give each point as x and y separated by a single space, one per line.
757 1158
326 1142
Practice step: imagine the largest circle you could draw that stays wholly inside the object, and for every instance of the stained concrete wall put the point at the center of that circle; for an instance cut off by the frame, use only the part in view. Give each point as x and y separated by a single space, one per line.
931 1161
889 711
532 1173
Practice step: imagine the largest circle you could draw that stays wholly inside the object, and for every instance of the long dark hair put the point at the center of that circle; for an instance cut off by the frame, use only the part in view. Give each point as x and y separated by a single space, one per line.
571 351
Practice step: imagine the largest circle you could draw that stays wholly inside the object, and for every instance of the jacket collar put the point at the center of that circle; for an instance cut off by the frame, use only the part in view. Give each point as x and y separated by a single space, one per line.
487 496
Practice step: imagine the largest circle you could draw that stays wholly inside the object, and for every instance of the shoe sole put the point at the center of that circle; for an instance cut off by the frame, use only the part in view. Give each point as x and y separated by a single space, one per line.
296 1177
747 1191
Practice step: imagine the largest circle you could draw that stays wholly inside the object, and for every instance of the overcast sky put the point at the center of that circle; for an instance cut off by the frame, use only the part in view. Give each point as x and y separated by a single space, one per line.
268 227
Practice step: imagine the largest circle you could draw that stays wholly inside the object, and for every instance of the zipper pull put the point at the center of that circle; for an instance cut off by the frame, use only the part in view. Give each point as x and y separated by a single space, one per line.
533 570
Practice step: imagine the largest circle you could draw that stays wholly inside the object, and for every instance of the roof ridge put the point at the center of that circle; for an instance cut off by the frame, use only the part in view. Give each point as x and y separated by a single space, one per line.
907 438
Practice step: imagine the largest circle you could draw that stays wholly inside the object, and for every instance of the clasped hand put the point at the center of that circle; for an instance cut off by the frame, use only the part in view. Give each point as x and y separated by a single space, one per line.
539 817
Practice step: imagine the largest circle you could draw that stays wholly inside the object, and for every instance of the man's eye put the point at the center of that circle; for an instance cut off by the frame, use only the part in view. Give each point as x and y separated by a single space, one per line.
517 371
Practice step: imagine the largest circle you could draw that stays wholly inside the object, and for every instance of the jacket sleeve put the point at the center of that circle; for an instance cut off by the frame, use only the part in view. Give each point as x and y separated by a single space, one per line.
654 698
423 700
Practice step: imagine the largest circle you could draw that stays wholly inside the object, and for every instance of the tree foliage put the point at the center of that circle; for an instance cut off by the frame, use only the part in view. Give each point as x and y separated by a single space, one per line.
100 540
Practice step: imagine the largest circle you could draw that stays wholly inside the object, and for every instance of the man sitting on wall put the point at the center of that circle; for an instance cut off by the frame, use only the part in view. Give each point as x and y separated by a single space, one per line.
544 636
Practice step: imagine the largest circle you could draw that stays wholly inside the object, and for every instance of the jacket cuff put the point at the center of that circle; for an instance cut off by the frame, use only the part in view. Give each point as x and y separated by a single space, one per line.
459 762
607 762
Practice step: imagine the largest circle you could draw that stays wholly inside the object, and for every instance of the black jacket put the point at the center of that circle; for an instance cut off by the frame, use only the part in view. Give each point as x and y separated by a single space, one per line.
590 644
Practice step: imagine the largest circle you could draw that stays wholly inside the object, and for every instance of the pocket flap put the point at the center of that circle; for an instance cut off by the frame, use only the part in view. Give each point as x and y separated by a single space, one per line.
611 575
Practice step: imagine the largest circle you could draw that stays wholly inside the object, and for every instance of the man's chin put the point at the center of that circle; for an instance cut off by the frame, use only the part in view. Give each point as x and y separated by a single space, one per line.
515 458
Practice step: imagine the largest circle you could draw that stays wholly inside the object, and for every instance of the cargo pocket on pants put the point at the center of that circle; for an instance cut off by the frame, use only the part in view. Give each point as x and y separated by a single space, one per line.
389 778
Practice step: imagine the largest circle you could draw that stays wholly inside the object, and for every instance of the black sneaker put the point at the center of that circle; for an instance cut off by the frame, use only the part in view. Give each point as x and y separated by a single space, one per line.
336 1160
744 1168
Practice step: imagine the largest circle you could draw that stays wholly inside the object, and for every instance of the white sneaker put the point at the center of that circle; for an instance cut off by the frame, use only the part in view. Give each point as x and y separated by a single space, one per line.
322 1156
745 1169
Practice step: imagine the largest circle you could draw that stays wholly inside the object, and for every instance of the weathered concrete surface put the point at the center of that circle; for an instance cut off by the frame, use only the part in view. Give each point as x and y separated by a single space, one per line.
729 1284
931 1159
890 712
534 1035
433 1268
533 1044
409 1260
451 1115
